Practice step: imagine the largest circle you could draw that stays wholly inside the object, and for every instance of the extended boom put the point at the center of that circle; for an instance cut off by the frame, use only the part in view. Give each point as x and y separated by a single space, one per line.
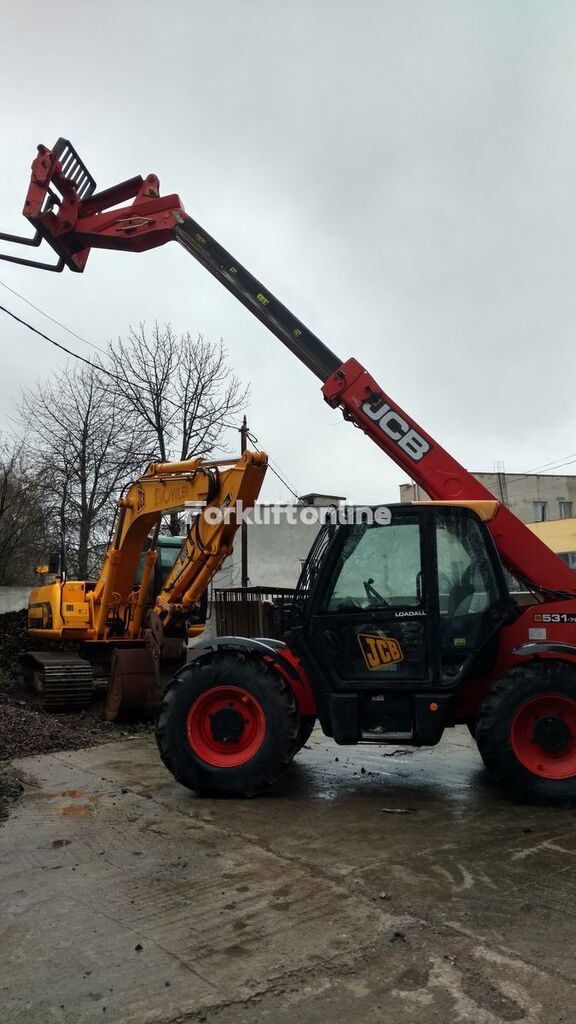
66 211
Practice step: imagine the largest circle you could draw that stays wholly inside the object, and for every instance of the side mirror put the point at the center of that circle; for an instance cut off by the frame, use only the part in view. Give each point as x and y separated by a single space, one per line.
54 562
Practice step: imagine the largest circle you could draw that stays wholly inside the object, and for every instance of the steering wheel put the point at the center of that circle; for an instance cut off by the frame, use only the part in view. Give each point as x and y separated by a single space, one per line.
461 591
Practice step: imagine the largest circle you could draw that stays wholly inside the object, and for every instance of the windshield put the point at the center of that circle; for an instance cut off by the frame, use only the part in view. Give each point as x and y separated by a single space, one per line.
379 566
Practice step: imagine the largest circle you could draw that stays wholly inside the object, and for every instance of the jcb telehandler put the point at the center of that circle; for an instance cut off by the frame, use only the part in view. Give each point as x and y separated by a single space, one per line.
402 627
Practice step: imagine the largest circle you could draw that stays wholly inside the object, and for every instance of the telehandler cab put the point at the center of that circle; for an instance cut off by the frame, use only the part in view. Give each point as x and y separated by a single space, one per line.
401 627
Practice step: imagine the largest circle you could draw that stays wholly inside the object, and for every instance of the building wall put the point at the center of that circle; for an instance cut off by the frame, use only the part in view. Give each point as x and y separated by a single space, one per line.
519 491
275 554
13 599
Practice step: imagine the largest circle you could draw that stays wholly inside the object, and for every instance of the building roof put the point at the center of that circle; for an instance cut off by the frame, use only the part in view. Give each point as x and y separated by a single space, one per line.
315 498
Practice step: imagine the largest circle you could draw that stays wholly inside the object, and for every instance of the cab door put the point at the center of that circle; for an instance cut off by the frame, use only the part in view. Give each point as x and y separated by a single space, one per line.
472 594
373 612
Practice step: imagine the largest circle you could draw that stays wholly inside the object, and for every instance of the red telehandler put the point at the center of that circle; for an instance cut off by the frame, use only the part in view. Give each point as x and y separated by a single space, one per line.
401 626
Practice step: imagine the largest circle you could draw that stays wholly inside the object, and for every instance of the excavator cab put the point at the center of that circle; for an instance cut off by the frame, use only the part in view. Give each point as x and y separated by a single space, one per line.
167 551
394 613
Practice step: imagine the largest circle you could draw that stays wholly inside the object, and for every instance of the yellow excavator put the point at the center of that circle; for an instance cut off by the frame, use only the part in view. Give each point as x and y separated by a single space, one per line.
116 628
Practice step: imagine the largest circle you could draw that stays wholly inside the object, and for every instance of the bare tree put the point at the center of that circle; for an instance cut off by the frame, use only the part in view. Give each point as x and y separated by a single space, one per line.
91 428
181 390
22 522
85 444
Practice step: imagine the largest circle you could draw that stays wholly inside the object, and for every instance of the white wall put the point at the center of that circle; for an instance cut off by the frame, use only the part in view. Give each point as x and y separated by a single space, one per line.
13 599
275 555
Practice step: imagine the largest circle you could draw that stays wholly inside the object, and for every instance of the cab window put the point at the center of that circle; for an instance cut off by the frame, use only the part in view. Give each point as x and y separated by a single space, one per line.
379 566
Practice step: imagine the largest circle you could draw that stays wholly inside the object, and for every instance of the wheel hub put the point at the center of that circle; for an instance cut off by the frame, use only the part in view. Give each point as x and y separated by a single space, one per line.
227 725
543 735
552 734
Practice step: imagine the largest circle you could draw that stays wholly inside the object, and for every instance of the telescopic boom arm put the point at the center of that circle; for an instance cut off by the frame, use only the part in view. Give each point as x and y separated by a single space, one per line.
66 211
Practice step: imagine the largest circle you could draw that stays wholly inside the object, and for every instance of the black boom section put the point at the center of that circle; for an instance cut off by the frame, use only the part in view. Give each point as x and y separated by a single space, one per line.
248 290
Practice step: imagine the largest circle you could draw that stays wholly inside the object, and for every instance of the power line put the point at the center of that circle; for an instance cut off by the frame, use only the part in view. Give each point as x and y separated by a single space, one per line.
282 481
52 319
76 355
229 426
289 485
271 464
102 369
57 344
568 461
556 464
95 366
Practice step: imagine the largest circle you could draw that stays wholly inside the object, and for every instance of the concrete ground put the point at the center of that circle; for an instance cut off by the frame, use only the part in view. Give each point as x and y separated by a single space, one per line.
368 885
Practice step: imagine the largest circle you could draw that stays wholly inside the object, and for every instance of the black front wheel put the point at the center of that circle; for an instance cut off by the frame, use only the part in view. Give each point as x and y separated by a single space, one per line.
227 726
526 731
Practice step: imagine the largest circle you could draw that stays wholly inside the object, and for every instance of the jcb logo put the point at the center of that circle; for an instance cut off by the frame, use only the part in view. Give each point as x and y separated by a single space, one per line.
396 428
379 650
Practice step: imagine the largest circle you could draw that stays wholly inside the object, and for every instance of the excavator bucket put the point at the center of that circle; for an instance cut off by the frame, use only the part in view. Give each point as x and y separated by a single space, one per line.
134 689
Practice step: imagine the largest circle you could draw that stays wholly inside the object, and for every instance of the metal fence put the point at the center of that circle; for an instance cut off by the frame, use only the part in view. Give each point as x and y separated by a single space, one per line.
253 611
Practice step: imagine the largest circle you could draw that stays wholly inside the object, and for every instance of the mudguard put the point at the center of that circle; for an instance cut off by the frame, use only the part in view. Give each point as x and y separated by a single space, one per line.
537 647
275 653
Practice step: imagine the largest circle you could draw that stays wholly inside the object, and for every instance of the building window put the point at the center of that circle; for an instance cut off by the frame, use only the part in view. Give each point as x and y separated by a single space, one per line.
540 511
566 511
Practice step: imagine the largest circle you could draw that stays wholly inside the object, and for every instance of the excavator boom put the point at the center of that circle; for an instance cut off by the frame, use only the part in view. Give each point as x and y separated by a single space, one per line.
75 610
72 217
114 618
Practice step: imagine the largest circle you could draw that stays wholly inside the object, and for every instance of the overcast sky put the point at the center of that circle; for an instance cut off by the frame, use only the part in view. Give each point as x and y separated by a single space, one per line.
401 174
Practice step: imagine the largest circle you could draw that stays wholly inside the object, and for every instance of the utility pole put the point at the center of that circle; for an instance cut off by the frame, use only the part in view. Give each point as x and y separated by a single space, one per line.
244 526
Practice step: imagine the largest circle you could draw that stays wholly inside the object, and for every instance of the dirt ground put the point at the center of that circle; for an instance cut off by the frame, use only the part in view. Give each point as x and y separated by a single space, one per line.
24 728
369 884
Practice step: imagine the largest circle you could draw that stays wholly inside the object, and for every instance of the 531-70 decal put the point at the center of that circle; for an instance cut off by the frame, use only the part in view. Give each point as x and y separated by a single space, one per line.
554 617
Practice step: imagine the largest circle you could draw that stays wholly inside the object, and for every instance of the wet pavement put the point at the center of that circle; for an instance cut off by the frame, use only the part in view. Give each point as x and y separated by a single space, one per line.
373 884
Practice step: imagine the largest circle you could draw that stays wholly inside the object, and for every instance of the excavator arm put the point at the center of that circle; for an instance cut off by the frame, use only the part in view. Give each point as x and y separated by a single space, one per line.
215 490
111 621
66 211
210 535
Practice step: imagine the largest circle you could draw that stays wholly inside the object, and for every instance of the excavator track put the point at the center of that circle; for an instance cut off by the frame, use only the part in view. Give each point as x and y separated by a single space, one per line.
62 681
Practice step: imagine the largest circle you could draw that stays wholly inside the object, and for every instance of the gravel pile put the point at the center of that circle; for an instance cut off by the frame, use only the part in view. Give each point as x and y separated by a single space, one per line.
25 731
13 641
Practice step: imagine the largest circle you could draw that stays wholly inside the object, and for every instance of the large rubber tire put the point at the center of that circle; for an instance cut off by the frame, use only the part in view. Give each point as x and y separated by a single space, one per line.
227 685
524 700
306 724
